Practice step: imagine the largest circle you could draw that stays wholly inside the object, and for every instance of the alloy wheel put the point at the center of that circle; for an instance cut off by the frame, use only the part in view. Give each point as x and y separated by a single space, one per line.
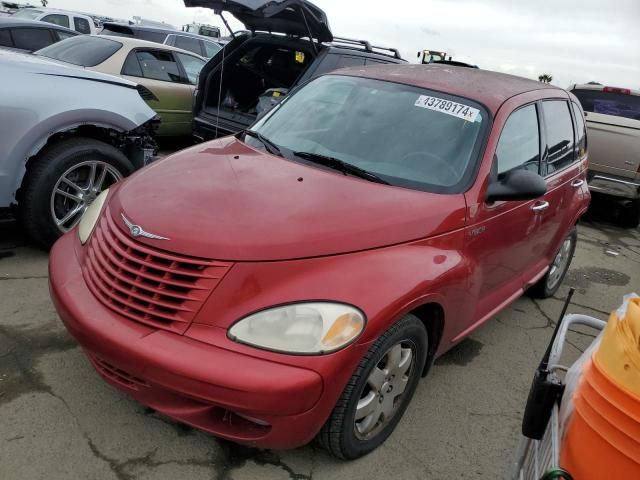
77 188
560 264
383 391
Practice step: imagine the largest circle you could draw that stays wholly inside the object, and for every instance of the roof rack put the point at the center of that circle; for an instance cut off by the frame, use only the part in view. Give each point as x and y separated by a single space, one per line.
367 46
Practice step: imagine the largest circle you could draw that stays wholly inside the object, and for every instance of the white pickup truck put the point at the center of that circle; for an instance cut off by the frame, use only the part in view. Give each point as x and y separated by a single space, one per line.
613 126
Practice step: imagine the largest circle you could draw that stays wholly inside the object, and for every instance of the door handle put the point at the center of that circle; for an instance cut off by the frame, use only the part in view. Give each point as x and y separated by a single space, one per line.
540 206
577 183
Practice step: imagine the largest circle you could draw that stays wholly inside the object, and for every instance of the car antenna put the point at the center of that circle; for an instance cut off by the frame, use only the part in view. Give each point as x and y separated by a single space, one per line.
226 24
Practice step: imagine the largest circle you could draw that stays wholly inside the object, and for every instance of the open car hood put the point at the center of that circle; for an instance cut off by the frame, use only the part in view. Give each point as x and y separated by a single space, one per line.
279 16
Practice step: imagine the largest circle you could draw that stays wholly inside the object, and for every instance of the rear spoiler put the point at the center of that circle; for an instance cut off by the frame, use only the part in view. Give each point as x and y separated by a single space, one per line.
366 46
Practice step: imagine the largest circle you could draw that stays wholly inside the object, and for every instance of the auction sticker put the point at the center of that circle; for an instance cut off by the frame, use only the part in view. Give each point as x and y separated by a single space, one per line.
460 110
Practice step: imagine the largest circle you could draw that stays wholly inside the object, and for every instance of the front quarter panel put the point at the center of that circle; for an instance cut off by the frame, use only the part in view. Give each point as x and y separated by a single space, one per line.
384 283
39 106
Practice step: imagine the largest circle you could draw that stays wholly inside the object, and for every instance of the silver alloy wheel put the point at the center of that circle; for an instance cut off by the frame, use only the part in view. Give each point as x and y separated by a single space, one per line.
383 392
77 188
560 264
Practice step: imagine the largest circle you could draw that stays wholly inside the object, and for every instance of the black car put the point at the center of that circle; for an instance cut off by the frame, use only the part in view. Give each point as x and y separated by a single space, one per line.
198 44
289 42
30 35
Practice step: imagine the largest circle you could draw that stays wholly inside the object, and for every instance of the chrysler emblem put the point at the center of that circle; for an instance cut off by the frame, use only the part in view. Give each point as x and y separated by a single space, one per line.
138 231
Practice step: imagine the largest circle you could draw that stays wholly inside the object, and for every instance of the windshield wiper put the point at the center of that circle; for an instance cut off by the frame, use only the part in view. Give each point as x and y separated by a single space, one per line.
269 145
340 165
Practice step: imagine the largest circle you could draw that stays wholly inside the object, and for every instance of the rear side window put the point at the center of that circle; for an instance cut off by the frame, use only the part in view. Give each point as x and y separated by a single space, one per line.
82 50
158 65
118 32
192 65
150 36
57 19
559 128
189 44
349 61
211 49
132 66
5 38
31 39
609 103
82 25
372 61
519 144
581 131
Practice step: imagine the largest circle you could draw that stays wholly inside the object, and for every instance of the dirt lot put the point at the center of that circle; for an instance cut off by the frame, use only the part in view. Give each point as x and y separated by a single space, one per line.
59 420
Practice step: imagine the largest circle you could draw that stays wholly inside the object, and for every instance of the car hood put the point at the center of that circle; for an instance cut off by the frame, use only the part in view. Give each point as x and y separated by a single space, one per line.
226 201
29 63
280 16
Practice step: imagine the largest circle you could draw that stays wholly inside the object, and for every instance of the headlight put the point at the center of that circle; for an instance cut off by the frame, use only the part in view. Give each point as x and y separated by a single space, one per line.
303 328
90 217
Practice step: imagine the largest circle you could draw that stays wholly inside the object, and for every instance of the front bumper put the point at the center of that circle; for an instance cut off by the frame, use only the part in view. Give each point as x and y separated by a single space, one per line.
208 387
614 185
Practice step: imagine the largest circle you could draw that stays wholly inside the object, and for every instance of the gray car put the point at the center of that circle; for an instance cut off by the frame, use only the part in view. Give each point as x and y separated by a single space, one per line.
67 134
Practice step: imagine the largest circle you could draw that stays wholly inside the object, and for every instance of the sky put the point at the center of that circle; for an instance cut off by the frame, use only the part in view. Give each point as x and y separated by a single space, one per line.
575 41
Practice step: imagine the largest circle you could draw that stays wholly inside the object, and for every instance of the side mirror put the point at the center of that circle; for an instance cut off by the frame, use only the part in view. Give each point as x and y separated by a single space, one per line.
517 184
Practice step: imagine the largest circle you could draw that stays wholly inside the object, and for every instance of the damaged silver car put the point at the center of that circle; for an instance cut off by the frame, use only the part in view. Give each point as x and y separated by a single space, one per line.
66 135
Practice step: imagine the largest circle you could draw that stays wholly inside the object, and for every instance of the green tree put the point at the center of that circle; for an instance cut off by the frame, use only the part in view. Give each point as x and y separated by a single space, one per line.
545 78
44 2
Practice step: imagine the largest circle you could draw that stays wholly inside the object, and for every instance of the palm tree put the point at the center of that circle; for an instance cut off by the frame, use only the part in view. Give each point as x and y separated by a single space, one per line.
545 78
44 3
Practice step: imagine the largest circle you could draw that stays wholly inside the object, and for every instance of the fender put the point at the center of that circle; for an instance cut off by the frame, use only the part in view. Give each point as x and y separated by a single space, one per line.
42 105
37 138
431 271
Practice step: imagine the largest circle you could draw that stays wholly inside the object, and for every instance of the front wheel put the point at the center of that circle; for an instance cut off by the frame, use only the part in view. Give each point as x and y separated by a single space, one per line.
548 285
379 391
63 181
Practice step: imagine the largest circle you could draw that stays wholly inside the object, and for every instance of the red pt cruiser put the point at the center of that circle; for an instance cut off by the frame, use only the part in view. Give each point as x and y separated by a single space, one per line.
298 279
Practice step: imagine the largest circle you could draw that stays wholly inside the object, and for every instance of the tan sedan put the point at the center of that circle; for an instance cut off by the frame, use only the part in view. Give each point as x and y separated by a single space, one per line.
168 74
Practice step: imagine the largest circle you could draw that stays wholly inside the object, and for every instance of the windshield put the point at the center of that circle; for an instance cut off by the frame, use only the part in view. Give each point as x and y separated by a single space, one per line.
83 50
609 103
407 136
29 13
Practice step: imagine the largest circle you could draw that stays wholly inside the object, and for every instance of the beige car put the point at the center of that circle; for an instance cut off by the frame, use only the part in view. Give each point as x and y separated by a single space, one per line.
613 124
168 74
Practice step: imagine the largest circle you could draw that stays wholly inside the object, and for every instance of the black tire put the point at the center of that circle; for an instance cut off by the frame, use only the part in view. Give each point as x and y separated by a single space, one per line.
338 434
543 289
630 215
43 174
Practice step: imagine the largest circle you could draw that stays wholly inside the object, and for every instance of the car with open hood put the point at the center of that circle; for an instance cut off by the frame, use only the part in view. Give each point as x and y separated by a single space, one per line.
166 75
66 134
297 279
287 43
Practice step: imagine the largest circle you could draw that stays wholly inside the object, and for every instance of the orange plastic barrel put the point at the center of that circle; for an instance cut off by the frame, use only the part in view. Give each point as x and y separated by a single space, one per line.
602 439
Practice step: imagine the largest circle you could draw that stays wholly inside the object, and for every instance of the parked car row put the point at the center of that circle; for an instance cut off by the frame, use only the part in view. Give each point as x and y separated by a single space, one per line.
261 70
165 75
195 43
